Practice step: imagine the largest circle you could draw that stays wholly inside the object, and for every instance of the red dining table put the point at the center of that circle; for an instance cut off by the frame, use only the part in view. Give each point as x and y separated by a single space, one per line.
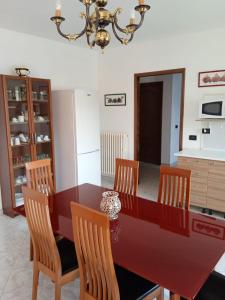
170 246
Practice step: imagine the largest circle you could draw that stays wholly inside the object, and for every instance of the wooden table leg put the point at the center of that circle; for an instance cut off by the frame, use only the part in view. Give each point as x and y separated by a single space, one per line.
174 296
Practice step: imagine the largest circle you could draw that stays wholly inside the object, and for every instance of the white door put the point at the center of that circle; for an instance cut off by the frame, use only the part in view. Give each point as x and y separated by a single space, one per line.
88 168
87 122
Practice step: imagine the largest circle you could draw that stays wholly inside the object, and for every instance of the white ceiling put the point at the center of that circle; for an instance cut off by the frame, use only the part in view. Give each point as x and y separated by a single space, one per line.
166 17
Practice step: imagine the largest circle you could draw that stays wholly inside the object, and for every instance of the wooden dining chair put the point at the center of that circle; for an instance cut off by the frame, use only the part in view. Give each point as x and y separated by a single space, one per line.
126 178
174 187
56 260
39 176
214 288
99 278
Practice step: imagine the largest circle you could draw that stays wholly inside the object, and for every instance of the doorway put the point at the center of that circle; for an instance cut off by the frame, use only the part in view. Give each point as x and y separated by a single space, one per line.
151 95
158 123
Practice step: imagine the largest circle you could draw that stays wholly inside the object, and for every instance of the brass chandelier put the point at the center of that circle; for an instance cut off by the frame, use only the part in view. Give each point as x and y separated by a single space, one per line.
97 20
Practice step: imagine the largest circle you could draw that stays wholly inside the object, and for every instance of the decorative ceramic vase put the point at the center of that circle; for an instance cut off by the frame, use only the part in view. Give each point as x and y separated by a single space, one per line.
110 204
22 72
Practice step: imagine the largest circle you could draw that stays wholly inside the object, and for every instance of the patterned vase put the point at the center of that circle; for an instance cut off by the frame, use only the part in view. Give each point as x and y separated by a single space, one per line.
110 204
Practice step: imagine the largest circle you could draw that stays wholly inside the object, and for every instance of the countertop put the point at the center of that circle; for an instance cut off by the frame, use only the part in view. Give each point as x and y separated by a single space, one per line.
203 154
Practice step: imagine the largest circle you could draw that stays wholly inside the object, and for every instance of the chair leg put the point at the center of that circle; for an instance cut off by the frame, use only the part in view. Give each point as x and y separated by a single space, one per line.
157 294
161 294
31 250
57 291
35 282
174 296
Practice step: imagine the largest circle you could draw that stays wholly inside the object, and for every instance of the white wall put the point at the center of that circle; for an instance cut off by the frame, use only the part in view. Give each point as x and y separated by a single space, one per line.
216 139
195 52
175 117
67 66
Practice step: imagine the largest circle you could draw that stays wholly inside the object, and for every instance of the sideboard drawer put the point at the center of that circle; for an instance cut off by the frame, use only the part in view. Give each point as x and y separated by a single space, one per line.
199 187
198 199
215 203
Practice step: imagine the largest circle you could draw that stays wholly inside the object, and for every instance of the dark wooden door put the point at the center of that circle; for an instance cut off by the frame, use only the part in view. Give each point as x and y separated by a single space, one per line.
151 96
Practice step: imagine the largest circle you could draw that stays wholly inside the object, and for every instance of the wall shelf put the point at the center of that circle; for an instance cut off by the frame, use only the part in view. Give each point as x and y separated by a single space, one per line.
210 119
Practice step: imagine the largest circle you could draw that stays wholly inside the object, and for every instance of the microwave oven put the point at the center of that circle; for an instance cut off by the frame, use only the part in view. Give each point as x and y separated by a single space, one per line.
212 106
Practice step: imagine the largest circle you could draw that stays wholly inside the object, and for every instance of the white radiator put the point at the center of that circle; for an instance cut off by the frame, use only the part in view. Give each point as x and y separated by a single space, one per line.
113 145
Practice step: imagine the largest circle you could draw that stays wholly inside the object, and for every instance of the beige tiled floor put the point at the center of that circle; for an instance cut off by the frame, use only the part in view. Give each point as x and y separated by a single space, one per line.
16 270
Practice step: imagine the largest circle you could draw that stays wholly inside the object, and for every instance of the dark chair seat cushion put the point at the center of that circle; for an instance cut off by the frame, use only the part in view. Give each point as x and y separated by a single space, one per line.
214 288
67 255
132 286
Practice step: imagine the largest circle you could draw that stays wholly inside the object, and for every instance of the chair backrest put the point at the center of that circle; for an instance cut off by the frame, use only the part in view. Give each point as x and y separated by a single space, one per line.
93 247
174 187
126 178
39 176
39 223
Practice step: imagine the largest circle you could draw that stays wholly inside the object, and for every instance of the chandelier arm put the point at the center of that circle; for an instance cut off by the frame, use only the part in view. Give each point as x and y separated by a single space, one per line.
74 36
115 21
122 40
115 33
141 21
91 44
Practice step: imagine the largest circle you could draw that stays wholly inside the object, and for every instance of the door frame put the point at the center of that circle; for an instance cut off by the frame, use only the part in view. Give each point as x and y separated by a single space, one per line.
137 77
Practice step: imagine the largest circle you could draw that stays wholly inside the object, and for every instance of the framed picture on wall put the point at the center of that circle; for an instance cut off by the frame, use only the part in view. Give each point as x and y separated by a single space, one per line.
115 100
211 78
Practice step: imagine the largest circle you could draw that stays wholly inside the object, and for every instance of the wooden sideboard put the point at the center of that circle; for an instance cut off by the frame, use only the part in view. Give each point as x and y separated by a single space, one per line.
207 182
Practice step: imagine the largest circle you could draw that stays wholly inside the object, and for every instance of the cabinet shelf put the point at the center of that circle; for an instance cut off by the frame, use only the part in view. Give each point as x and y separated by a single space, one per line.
20 184
21 145
40 122
18 123
43 142
19 166
40 101
17 101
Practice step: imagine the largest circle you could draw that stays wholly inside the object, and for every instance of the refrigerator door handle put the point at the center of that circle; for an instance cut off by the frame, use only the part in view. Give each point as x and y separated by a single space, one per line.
96 150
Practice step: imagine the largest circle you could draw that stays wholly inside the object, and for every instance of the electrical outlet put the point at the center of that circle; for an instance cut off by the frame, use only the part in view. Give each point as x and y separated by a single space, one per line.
205 130
193 137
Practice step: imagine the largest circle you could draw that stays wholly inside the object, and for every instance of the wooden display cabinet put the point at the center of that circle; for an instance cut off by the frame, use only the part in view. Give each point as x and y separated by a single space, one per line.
26 133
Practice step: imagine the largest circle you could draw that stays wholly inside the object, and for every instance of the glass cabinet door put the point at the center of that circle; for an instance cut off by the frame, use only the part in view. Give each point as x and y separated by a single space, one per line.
42 118
19 127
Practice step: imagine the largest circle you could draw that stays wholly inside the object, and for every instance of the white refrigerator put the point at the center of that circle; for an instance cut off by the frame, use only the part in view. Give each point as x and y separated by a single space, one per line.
77 138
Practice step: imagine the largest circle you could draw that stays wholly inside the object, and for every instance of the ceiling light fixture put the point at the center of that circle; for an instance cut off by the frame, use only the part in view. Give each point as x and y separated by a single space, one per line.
98 19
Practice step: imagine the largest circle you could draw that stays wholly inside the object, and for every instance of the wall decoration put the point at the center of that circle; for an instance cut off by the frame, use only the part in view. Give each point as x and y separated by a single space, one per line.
115 100
209 229
211 78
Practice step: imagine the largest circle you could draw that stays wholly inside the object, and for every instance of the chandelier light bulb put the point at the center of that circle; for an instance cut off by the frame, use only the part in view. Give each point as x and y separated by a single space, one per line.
58 8
132 16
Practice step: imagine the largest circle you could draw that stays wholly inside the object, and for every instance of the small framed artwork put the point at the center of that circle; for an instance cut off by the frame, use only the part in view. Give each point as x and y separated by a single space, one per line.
115 100
211 78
